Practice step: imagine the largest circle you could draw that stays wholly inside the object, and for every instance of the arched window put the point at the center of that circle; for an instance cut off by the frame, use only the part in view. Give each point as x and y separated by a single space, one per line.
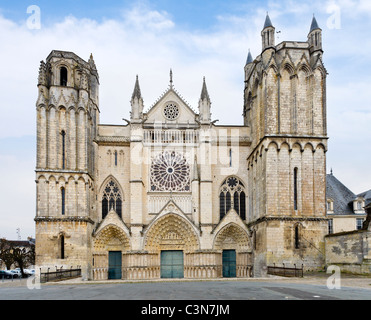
112 199
63 197
63 76
232 195
115 158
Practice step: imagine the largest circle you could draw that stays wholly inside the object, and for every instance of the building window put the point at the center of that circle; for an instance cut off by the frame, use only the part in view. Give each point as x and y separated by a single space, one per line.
359 205
330 226
359 224
115 158
329 205
230 157
296 189
63 196
170 172
63 133
63 76
297 239
232 195
62 246
112 199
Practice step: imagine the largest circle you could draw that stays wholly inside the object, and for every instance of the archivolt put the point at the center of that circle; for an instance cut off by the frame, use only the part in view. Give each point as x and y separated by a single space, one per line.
171 230
232 236
111 233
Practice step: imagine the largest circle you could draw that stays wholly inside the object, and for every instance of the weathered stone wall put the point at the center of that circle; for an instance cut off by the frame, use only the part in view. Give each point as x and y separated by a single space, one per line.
349 250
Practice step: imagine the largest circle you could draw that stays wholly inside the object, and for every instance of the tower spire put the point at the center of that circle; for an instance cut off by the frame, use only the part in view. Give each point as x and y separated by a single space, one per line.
204 92
268 33
268 22
136 103
314 25
249 58
136 93
204 105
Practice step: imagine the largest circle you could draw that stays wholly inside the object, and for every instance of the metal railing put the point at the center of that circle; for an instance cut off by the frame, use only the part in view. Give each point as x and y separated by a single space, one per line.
285 271
59 274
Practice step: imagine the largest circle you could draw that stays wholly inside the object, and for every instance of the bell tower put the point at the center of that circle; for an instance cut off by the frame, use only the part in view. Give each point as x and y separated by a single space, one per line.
285 107
67 117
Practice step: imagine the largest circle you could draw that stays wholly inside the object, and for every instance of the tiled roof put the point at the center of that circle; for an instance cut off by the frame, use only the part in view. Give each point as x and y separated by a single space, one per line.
340 194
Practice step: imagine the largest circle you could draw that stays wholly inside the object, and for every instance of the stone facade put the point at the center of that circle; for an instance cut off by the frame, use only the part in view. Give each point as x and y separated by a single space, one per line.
230 199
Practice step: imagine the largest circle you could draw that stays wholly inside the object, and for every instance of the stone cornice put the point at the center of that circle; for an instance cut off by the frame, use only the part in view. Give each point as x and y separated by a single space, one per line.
285 218
64 219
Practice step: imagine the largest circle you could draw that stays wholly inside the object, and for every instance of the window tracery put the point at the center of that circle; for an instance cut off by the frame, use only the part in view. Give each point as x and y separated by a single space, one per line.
232 195
112 199
170 172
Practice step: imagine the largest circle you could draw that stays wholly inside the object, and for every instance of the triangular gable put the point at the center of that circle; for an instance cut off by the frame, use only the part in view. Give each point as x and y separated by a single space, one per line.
171 207
156 112
230 217
112 218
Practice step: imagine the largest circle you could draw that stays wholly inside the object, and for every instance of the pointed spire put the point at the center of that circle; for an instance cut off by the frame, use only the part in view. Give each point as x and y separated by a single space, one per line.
314 24
249 58
268 22
171 78
137 93
204 92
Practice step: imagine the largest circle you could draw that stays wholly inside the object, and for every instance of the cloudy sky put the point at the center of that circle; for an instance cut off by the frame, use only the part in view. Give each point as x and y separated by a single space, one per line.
195 38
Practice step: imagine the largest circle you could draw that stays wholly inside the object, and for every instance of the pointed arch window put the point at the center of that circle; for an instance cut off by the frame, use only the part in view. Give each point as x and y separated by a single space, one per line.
232 195
112 199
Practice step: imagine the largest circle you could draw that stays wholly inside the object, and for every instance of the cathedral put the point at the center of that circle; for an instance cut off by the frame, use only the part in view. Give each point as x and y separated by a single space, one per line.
171 194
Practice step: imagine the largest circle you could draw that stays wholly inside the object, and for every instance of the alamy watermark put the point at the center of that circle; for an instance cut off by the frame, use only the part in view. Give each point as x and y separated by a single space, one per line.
34 20
334 281
334 21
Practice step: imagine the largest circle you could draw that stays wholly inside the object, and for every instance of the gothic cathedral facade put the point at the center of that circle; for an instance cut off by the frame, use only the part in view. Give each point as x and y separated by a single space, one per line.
171 194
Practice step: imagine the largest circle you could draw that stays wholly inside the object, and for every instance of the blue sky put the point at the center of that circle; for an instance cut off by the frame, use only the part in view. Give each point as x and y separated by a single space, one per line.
207 38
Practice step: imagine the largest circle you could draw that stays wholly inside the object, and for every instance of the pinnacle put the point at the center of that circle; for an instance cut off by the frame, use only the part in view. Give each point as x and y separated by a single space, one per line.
204 92
314 24
137 93
249 58
268 22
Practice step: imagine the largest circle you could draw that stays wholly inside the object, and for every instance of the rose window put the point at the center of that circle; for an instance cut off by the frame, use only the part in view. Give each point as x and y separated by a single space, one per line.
170 172
171 111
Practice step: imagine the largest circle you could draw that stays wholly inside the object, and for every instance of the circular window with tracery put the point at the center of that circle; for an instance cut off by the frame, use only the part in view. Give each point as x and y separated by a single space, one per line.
170 172
171 111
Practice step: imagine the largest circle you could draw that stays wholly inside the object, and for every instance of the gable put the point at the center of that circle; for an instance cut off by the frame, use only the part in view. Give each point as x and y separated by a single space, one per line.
171 109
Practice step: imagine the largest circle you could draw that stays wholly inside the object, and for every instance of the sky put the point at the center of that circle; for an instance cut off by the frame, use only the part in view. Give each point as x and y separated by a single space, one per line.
196 39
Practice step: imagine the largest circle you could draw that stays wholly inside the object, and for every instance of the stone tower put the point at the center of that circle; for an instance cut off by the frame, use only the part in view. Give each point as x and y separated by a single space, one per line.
285 107
67 117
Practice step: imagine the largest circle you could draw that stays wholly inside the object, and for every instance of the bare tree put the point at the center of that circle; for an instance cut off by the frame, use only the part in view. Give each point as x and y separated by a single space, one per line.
5 253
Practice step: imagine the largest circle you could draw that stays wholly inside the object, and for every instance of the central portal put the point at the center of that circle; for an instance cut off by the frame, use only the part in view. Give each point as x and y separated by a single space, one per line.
114 265
229 263
172 264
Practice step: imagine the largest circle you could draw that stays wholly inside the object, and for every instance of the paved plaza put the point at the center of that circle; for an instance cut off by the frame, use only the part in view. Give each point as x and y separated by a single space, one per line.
313 287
